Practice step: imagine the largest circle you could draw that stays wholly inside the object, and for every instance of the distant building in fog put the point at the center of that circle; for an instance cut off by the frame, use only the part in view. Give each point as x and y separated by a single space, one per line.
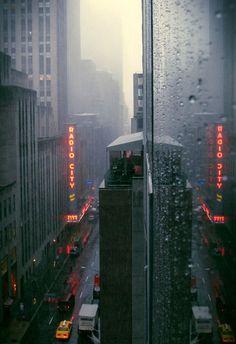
122 247
100 93
35 38
137 120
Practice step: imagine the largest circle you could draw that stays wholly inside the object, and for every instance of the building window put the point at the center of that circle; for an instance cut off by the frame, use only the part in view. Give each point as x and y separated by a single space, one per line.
48 48
47 28
41 28
23 63
41 64
5 208
30 64
41 88
29 5
1 241
23 48
48 88
9 205
48 65
13 62
5 235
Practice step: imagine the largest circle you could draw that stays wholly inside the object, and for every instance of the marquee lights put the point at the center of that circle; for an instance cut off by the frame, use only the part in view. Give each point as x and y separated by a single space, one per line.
213 218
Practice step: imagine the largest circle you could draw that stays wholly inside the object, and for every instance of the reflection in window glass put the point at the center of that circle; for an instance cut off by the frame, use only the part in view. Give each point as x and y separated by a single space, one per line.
189 60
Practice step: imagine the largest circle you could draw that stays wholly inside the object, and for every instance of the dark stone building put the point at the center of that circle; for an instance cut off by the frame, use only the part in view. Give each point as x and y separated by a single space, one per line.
122 243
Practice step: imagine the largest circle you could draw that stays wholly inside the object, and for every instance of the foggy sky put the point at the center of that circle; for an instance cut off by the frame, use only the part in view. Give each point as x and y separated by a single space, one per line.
110 32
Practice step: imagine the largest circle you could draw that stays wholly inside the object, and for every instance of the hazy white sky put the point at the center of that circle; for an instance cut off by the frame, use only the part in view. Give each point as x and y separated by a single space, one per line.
111 33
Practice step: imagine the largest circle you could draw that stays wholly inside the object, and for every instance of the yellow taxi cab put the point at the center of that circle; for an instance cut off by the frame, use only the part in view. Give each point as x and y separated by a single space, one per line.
226 333
64 329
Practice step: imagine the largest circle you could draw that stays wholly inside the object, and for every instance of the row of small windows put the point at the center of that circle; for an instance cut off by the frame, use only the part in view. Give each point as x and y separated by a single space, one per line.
8 234
42 88
7 207
26 30
42 65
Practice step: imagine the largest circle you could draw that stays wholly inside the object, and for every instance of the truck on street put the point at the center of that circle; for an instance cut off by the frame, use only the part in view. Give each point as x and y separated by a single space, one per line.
88 318
202 323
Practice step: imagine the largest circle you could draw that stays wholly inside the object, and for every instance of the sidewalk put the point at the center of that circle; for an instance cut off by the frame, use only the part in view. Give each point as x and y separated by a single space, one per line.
14 330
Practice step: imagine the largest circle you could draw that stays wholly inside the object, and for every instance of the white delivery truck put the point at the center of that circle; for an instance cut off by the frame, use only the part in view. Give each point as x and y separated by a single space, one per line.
88 318
201 322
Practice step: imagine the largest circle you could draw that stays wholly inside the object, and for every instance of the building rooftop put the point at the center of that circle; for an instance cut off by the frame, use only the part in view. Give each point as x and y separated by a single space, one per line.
167 140
127 142
125 156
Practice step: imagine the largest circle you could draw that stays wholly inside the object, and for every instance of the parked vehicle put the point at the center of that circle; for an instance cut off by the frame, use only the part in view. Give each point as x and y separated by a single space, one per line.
201 320
96 287
88 317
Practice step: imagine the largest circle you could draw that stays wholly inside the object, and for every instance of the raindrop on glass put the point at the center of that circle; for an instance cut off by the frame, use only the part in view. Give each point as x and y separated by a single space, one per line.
218 14
199 141
192 99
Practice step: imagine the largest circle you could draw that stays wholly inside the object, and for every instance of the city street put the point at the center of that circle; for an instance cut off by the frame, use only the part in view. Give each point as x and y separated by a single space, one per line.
81 271
204 270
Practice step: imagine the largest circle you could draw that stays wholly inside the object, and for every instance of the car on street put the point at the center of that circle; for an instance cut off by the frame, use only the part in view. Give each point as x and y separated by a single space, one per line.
64 330
74 251
226 333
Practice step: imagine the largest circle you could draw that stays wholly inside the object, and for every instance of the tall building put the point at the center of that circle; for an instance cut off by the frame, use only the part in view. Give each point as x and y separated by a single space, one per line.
137 120
122 249
98 92
32 182
18 180
35 38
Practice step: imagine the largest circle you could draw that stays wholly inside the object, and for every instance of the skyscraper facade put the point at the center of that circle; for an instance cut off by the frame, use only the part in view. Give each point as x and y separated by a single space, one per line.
33 33
122 245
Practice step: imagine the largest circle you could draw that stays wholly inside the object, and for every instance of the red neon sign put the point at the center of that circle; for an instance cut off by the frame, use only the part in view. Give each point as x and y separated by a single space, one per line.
213 218
72 218
71 156
219 156
218 219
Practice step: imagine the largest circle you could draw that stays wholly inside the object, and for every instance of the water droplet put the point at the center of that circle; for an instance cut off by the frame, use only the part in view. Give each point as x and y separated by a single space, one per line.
218 14
192 99
199 141
181 104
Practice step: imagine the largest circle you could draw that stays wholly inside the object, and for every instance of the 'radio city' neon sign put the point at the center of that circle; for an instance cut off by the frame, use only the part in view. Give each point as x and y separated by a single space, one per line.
71 156
219 156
